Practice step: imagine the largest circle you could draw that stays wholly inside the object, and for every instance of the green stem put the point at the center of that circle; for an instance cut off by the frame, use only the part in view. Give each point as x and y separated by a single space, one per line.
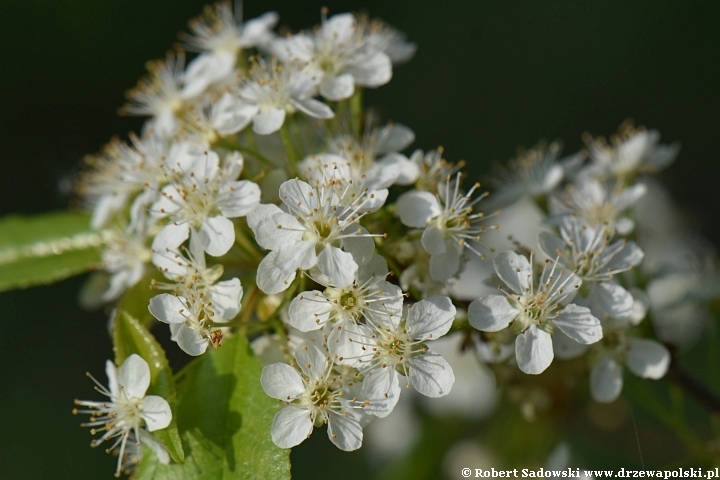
289 149
356 113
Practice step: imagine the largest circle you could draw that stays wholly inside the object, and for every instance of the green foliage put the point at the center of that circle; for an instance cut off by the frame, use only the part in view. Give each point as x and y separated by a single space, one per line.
129 337
224 419
45 248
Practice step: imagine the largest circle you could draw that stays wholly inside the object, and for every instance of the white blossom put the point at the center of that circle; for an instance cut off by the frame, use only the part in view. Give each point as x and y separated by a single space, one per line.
600 205
397 347
588 252
128 410
338 51
272 91
202 198
631 152
314 396
220 36
318 232
343 307
533 173
450 225
534 311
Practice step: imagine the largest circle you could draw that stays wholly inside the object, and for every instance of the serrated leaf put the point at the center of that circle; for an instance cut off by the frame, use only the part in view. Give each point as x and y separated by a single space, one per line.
46 248
224 418
129 337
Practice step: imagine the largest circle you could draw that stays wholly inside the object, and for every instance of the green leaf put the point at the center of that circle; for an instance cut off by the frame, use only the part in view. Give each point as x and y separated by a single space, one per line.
129 337
46 248
225 419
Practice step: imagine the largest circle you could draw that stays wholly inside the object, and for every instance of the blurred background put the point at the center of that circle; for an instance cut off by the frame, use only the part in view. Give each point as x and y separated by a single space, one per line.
487 78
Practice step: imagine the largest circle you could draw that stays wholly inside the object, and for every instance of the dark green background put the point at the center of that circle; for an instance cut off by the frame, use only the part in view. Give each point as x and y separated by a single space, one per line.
487 78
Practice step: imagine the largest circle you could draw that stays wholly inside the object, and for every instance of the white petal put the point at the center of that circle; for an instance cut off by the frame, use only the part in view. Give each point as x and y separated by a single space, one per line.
269 122
376 267
360 247
299 195
270 278
579 324
612 299
230 114
345 342
339 266
282 381
630 195
293 256
491 313
552 178
309 311
431 318
236 199
312 361
551 245
168 308
534 350
171 237
279 229
134 376
313 108
345 432
382 391
372 70
261 212
431 375
393 138
446 265
514 270
225 297
433 240
217 235
338 88
629 256
606 380
155 445
566 348
156 413
416 208
190 341
111 372
291 426
647 358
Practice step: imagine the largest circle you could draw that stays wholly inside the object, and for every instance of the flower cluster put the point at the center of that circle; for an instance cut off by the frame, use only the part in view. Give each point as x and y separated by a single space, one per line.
261 199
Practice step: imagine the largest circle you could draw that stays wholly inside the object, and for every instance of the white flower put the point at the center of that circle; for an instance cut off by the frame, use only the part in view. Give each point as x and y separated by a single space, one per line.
122 171
159 95
220 36
318 231
202 198
125 256
632 151
619 346
384 38
314 396
368 296
190 325
397 347
375 157
127 409
587 251
428 170
450 225
534 173
534 312
337 51
190 273
600 205
273 90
